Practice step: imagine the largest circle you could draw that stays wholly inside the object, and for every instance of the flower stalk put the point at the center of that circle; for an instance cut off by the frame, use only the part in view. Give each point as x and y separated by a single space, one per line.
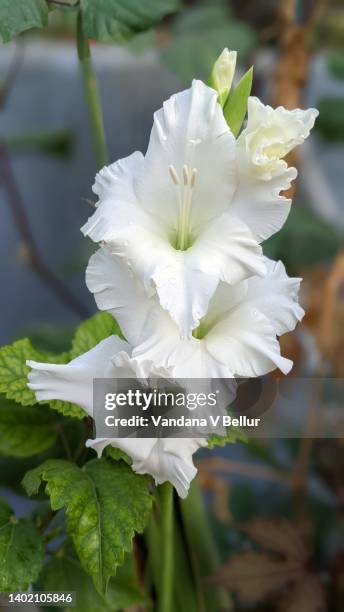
203 552
166 490
92 96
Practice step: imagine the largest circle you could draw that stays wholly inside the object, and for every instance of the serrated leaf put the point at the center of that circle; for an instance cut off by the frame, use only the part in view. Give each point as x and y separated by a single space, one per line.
63 572
17 16
236 103
119 20
117 454
21 551
14 371
25 430
234 434
106 503
92 331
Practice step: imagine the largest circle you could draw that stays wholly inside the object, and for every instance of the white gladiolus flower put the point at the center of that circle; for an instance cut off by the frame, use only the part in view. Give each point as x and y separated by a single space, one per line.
181 267
169 215
167 459
270 134
237 336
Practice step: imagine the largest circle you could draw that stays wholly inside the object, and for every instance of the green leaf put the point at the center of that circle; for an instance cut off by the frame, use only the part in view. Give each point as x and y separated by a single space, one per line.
236 104
21 551
330 122
14 371
93 330
25 430
116 453
119 20
19 15
234 434
63 572
106 504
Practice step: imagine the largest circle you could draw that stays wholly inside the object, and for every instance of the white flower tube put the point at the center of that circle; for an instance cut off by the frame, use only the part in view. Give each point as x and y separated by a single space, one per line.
237 337
168 459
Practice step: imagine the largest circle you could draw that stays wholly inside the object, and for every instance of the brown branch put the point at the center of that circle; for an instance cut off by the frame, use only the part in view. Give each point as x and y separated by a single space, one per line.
293 63
22 224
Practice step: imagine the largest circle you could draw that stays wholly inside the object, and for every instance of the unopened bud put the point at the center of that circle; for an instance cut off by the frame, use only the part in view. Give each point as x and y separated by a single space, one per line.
221 77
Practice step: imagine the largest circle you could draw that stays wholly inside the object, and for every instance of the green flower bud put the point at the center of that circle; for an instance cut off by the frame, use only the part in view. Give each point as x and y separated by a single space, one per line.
222 74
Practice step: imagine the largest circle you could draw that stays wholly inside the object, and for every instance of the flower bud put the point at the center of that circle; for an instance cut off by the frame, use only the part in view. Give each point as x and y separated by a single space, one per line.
222 74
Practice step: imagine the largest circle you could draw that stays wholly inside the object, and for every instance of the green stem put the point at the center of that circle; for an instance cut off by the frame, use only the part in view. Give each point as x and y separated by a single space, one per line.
167 552
92 96
203 552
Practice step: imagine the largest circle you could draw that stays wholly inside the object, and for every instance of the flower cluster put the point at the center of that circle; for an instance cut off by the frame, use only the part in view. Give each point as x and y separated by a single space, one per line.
180 263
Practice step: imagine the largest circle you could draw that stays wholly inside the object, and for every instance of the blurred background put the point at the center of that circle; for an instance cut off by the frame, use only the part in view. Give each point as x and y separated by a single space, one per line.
47 168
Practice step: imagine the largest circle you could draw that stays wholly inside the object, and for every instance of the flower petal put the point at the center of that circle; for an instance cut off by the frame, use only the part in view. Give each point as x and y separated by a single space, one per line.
185 291
166 459
118 292
276 296
292 127
262 173
73 382
190 130
246 342
259 203
148 327
227 250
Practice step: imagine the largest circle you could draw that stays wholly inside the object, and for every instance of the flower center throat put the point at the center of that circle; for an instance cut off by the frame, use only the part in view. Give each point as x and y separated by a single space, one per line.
185 187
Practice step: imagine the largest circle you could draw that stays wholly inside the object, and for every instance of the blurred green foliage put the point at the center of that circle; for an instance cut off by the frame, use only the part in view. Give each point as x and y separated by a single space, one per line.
330 122
199 35
304 240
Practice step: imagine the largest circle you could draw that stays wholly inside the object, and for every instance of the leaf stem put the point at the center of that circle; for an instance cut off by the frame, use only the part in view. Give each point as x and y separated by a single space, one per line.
91 95
166 490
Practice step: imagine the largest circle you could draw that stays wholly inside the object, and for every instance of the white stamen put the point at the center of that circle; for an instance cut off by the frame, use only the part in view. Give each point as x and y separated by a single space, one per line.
173 174
184 194
193 177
